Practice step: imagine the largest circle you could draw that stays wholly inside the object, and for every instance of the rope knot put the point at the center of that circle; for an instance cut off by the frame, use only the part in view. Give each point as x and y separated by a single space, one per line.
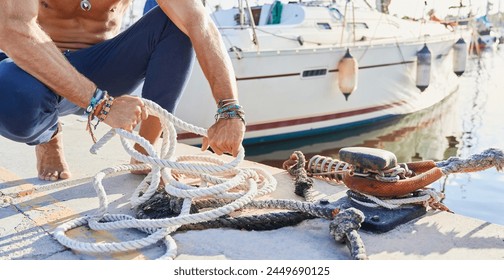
498 157
295 165
345 222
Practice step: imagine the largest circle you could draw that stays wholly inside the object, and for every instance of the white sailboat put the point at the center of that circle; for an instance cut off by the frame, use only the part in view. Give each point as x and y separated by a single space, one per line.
290 68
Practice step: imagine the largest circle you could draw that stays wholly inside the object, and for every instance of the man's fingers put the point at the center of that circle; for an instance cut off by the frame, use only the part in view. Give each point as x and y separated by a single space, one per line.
204 145
129 128
217 151
235 150
145 113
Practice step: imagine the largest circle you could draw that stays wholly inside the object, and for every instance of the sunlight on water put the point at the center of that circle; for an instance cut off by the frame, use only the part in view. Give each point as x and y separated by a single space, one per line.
470 121
480 195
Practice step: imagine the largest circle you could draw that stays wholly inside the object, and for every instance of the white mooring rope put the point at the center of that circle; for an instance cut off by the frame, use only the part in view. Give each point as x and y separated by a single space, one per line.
219 179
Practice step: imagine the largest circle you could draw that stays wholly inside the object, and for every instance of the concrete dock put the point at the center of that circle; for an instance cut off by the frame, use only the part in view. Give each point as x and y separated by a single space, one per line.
30 210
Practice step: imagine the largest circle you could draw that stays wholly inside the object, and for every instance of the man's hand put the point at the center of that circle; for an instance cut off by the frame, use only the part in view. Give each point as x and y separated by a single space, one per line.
126 112
225 136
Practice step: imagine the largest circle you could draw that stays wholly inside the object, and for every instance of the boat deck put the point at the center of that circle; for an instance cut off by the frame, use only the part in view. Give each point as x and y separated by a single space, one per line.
30 210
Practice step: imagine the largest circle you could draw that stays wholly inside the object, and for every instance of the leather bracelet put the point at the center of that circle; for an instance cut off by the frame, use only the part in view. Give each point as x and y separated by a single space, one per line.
104 98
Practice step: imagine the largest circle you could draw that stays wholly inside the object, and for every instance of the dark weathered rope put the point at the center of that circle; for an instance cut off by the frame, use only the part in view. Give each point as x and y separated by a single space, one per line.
310 208
303 184
268 221
162 205
487 159
344 225
344 228
356 245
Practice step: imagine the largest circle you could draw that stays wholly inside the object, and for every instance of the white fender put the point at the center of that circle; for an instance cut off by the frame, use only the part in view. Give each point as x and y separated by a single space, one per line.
347 74
459 57
424 62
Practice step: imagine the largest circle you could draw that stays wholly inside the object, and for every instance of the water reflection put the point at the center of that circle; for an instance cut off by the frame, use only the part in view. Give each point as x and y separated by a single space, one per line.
467 122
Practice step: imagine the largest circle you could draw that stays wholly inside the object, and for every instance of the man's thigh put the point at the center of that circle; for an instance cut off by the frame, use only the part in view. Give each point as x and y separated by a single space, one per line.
28 109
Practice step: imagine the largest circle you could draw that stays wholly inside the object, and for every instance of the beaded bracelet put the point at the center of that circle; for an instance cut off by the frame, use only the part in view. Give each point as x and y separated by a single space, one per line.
105 109
229 109
231 115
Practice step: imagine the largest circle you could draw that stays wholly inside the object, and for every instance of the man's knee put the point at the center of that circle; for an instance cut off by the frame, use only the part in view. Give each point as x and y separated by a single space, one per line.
31 127
170 64
28 135
27 108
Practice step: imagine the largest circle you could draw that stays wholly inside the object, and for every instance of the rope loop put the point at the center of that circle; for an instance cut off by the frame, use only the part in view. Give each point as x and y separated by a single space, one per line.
344 228
344 222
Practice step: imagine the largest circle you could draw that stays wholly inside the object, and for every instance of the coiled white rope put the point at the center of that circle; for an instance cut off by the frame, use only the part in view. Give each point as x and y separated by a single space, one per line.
219 179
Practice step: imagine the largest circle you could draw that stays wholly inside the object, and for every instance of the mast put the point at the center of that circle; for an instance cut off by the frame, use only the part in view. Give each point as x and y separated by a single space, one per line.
242 13
383 6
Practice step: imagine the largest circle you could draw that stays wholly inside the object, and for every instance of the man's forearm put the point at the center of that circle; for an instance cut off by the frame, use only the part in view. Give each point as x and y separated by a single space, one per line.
33 51
215 63
192 18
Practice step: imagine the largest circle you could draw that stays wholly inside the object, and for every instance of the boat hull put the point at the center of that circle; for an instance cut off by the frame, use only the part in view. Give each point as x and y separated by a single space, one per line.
294 93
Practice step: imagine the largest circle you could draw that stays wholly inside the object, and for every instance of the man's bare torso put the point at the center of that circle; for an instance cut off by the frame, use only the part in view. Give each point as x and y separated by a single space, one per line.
72 28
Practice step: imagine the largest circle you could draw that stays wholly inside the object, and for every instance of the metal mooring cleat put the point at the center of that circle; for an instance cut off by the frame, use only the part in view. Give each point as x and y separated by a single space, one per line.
368 158
377 219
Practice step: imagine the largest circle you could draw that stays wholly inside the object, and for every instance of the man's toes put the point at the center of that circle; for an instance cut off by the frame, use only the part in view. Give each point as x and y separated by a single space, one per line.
65 175
46 176
54 176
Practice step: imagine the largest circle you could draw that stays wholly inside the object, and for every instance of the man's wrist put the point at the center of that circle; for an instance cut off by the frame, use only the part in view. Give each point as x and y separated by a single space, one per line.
99 107
230 109
97 97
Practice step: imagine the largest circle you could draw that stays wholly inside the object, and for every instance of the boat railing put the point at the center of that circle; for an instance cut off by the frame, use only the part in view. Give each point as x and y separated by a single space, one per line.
296 24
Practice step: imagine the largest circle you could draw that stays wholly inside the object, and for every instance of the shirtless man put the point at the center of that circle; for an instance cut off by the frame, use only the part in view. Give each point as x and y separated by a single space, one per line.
61 54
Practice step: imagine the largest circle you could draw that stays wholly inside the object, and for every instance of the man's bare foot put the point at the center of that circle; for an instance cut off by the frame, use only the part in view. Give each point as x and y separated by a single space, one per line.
51 164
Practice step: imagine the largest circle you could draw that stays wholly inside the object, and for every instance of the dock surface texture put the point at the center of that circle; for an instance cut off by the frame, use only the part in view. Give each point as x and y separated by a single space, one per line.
31 209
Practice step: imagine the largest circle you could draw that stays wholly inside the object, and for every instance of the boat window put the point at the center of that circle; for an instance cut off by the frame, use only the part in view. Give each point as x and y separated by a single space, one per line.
313 73
361 25
335 13
256 13
324 25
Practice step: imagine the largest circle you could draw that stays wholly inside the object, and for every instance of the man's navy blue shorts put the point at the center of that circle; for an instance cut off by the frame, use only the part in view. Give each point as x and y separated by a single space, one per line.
153 51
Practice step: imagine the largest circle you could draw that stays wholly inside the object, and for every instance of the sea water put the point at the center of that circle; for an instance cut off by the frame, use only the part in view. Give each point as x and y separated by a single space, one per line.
470 121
